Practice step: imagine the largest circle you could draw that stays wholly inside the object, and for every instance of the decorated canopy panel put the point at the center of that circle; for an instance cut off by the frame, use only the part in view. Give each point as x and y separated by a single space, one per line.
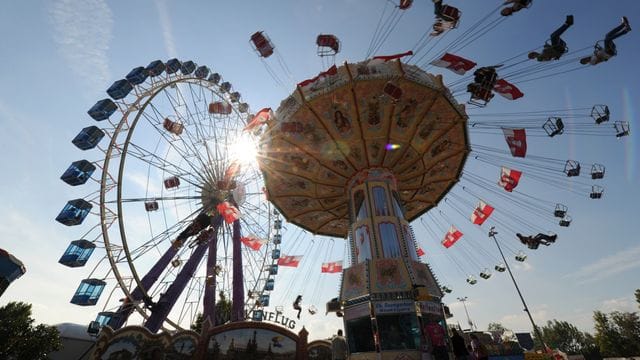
359 116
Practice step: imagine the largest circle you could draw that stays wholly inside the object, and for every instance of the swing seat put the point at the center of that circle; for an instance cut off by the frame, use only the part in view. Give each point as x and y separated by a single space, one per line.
600 113
560 211
565 221
572 168
485 274
597 171
622 128
450 14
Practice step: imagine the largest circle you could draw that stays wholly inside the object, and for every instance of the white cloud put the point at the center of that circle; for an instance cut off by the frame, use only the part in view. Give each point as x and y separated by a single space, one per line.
82 30
520 322
523 266
608 266
167 28
625 304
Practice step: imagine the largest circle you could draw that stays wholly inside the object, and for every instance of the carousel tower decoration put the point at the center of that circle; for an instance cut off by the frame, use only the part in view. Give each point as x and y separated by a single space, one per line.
359 152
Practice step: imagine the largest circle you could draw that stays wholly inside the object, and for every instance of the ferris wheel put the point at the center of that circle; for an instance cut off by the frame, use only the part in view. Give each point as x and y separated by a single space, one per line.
183 218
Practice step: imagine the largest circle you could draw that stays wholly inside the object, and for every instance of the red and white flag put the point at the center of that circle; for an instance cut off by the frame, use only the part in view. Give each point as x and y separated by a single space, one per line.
455 63
420 252
509 178
309 84
253 242
261 117
332 267
507 90
481 213
517 141
451 237
229 212
290 260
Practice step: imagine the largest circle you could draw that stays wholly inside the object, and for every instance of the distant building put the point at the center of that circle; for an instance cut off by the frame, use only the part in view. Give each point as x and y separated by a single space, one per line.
76 342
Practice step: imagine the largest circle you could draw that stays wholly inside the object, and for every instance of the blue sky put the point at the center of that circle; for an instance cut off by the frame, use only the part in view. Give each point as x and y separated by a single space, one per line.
60 56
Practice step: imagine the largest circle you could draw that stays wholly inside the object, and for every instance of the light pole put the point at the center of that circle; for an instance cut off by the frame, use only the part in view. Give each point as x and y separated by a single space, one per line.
471 324
492 234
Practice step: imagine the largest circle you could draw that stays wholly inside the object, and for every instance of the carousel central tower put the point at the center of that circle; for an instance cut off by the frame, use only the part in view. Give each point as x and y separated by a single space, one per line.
358 153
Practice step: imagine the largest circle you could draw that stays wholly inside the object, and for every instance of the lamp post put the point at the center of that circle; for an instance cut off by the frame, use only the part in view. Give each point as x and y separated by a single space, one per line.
492 234
471 324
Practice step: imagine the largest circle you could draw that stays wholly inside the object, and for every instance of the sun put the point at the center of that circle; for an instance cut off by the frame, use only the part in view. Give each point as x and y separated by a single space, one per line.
244 150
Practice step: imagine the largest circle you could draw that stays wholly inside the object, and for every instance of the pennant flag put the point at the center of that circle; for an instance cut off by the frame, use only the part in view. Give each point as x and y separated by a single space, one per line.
259 118
386 58
253 242
229 212
517 141
420 252
507 90
309 84
451 237
292 260
455 63
509 178
332 267
481 213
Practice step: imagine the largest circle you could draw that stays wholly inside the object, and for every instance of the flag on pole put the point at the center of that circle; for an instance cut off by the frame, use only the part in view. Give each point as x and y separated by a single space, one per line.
451 237
332 267
290 260
509 178
507 90
253 242
455 63
517 141
481 213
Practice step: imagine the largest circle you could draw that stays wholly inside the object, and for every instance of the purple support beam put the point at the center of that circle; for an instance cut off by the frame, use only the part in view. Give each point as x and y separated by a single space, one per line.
166 302
147 281
209 301
164 305
237 312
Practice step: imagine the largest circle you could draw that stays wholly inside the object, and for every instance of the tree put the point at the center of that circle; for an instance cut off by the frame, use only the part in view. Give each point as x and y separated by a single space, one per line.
498 329
223 313
20 339
567 338
638 297
197 325
617 334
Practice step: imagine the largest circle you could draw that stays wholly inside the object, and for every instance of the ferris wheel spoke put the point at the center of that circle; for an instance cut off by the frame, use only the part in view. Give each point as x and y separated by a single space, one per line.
160 198
185 153
167 234
157 162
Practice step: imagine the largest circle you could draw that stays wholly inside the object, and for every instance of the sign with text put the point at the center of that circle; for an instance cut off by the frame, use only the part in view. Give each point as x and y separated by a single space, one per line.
394 307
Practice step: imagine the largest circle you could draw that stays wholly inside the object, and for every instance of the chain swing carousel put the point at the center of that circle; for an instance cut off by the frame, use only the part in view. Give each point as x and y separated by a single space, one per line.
360 151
